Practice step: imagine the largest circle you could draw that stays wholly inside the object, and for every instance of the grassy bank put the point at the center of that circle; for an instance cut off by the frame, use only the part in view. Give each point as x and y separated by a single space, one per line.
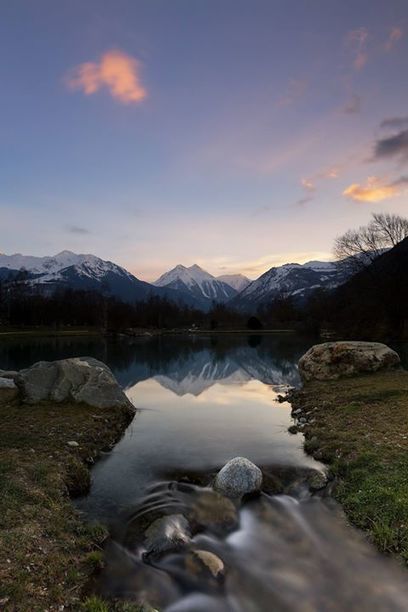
359 427
46 552
49 331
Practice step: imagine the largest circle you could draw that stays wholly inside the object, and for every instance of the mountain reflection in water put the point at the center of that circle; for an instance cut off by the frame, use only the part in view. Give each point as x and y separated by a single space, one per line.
183 364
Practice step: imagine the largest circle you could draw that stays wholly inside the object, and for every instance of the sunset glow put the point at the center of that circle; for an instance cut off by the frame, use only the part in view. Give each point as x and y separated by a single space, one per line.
234 136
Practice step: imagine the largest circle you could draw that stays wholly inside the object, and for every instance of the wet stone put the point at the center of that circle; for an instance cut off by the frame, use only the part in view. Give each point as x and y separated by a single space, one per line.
211 510
165 534
238 477
200 562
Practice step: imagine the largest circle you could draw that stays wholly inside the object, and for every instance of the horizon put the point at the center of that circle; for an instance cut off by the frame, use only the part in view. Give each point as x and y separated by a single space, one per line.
281 128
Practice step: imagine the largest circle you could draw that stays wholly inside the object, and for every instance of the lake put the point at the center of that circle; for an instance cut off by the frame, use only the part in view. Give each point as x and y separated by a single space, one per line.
201 401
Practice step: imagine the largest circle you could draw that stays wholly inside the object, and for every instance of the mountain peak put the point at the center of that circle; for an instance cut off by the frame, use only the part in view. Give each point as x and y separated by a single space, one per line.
198 282
196 268
239 282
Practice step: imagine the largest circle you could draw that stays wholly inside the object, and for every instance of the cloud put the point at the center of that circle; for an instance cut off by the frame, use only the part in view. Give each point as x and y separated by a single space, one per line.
397 123
308 184
309 188
402 180
395 34
356 41
305 200
116 71
331 173
395 146
75 229
353 106
375 190
295 90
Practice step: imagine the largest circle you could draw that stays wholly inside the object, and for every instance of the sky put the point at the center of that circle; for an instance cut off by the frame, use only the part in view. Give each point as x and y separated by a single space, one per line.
235 134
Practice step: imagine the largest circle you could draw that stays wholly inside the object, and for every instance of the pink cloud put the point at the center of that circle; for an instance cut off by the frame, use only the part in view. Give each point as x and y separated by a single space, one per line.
395 34
116 71
357 41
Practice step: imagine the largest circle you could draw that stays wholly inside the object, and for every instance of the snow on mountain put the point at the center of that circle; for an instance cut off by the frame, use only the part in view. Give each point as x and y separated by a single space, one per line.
196 281
49 269
85 272
293 279
237 281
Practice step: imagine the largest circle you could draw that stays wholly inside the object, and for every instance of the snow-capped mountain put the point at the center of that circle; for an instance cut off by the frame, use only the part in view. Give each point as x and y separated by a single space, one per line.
198 283
294 279
50 269
86 272
239 282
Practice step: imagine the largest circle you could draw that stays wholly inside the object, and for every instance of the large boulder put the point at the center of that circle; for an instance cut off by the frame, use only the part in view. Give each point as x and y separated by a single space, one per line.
238 477
8 390
332 360
80 379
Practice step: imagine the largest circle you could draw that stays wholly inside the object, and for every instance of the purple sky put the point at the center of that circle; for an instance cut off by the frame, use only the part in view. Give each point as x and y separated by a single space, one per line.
233 134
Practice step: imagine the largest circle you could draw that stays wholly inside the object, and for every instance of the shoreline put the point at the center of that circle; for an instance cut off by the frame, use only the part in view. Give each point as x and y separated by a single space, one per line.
48 332
135 333
48 552
359 428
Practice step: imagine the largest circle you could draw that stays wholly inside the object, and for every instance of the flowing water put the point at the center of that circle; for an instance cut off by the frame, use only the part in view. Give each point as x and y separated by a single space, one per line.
202 401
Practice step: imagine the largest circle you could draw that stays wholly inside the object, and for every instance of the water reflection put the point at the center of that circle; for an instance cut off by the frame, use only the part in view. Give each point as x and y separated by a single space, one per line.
179 363
175 434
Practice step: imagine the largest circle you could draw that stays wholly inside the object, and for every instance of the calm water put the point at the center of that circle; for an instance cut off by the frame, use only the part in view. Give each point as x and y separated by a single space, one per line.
201 401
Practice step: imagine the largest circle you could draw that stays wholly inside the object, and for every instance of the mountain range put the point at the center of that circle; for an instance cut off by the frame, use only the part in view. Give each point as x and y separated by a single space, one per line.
87 272
297 280
192 285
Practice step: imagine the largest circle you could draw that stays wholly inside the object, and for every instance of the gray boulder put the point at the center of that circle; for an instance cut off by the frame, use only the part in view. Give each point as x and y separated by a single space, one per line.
8 390
80 379
238 477
332 360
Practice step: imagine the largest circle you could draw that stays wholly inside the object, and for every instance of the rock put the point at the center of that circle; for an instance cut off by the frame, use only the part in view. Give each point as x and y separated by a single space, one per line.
238 477
199 560
293 429
73 444
80 379
332 360
212 511
317 480
168 533
9 374
8 390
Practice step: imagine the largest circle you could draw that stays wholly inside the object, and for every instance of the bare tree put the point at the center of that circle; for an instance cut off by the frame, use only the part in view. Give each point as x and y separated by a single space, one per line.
358 248
390 228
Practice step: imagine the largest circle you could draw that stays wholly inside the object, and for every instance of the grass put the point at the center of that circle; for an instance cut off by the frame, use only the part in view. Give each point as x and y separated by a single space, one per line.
48 331
95 604
360 428
47 553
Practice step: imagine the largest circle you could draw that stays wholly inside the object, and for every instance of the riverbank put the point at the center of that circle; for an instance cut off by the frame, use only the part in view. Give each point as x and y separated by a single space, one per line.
47 553
359 427
49 331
